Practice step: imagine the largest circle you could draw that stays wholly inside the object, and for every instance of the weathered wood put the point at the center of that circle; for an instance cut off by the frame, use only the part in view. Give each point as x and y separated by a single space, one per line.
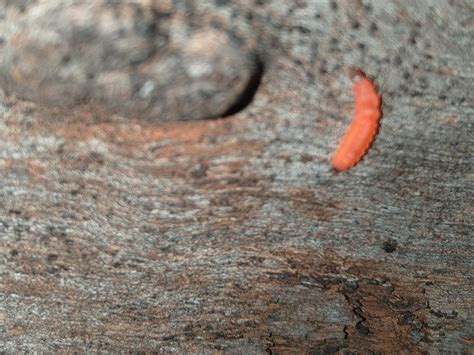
234 234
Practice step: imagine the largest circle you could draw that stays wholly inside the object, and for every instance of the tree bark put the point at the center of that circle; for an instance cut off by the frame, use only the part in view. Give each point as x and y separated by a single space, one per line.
235 235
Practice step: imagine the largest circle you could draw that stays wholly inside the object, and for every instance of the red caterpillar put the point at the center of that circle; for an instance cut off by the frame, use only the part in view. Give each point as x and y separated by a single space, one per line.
363 128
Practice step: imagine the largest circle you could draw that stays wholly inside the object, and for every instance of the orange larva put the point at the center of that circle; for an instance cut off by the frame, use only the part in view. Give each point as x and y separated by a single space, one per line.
363 128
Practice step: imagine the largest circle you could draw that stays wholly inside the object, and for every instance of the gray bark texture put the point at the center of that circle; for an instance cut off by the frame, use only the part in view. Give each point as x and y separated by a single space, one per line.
130 223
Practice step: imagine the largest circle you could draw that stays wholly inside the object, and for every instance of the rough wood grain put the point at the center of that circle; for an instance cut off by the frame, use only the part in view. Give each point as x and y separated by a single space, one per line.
234 235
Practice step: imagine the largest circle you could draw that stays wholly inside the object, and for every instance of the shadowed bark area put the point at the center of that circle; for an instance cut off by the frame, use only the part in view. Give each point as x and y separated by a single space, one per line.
234 235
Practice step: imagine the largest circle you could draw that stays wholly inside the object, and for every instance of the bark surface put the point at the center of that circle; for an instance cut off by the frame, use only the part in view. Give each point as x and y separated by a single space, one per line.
234 235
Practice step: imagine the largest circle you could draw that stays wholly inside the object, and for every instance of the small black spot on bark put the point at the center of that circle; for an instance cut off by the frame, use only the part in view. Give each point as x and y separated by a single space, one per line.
416 326
461 99
350 286
412 38
362 328
199 171
52 270
373 27
14 211
397 60
423 83
390 246
305 158
302 29
51 258
331 349
440 314
168 337
69 242
66 59
322 68
406 318
145 28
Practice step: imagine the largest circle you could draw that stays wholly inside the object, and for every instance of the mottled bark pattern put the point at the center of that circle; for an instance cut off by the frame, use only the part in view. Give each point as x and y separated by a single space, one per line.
234 235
